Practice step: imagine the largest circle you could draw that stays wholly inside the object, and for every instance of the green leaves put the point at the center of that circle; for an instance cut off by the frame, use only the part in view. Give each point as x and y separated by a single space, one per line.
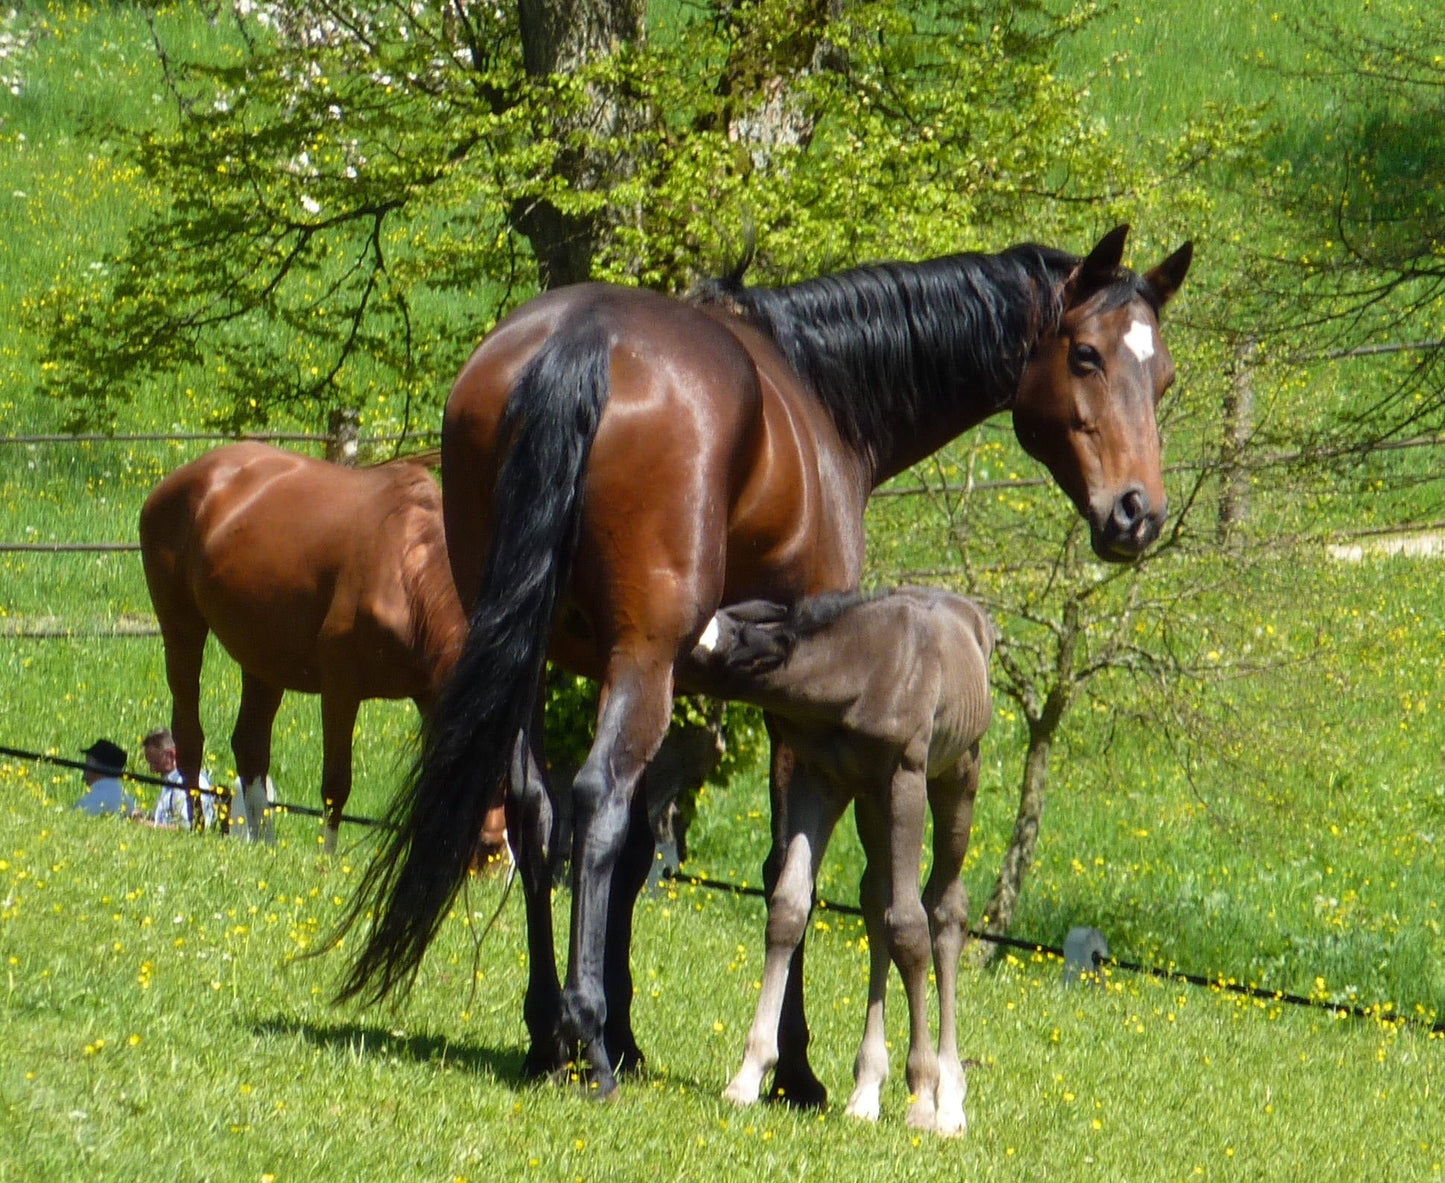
347 196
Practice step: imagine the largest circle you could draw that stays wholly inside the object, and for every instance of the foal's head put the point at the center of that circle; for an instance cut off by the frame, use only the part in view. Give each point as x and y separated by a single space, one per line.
1086 403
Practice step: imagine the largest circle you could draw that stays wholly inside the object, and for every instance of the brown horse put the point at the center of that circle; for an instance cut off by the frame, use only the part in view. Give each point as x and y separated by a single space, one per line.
316 578
883 702
617 464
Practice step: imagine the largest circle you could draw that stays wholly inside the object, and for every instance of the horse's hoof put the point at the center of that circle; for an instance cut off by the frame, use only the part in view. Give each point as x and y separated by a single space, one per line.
922 1116
800 1091
951 1126
600 1084
741 1093
545 1063
863 1108
630 1061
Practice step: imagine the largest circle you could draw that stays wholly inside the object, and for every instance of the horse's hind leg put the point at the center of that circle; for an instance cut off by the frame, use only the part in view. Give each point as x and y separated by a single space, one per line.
811 818
794 1081
636 706
870 1067
893 831
946 899
530 829
338 729
183 632
251 745
628 879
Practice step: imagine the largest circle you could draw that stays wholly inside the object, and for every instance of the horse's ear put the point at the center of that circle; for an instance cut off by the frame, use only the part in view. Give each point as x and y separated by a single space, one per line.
1098 269
1166 279
758 612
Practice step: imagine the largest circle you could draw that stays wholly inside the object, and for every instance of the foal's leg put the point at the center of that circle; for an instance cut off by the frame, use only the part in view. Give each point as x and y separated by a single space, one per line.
794 1082
251 744
870 1068
896 825
635 708
338 729
811 817
951 798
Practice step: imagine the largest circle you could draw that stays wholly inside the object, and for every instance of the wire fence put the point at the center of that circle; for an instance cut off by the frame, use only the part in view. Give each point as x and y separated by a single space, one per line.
343 443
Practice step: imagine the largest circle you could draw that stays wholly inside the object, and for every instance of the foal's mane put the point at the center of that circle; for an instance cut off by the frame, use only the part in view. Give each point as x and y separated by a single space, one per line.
767 633
882 343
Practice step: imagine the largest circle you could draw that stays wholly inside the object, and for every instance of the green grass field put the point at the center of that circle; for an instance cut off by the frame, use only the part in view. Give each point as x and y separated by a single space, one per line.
156 1023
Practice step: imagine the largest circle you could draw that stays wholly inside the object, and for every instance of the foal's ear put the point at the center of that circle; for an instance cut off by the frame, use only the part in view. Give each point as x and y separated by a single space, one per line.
1166 279
758 612
1098 269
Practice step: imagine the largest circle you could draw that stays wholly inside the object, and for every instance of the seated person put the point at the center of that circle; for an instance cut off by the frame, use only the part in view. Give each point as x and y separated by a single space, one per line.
173 808
104 764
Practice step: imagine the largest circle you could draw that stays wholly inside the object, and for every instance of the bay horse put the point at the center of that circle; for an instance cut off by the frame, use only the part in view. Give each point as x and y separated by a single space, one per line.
314 578
618 463
883 702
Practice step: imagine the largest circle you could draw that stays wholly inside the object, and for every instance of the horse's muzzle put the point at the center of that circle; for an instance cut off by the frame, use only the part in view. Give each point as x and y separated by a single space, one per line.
1129 527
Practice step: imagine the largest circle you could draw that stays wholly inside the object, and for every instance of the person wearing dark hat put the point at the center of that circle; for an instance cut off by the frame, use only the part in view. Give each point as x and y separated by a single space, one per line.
104 763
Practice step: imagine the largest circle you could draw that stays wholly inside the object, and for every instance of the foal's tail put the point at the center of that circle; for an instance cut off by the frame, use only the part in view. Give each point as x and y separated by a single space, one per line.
547 430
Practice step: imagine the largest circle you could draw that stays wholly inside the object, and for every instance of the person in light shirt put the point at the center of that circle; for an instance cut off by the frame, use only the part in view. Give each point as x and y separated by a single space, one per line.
173 807
104 764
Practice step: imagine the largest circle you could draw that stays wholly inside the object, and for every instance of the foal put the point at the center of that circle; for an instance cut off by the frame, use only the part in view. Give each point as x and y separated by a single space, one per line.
883 701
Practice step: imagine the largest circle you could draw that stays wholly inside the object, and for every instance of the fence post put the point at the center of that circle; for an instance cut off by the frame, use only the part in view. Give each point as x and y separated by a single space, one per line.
1238 427
344 427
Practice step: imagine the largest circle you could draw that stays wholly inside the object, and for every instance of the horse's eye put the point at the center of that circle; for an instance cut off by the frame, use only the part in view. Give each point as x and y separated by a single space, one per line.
1085 359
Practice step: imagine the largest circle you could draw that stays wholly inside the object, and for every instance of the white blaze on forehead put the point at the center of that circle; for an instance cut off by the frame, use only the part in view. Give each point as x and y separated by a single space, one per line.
1140 340
709 637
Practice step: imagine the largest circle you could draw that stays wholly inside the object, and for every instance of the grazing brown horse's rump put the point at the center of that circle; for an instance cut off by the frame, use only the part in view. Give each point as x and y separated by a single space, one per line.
317 578
617 464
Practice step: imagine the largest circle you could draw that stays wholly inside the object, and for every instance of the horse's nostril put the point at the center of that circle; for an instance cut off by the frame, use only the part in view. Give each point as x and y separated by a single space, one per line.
1131 507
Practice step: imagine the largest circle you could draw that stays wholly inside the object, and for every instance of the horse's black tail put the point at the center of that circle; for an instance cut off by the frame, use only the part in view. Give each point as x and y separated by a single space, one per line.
547 430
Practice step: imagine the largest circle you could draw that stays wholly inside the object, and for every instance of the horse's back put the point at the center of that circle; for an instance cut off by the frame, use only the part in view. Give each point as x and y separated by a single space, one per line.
710 467
279 553
959 637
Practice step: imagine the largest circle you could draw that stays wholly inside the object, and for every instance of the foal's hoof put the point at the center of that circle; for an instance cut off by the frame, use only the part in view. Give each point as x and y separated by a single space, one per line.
922 1116
801 1090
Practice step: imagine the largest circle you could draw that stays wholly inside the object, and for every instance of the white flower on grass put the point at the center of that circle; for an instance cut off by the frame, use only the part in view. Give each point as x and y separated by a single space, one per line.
310 204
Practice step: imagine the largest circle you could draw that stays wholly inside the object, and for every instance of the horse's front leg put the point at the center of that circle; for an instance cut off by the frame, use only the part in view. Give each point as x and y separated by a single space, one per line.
891 825
636 700
338 728
813 813
794 1082
945 898
251 745
909 942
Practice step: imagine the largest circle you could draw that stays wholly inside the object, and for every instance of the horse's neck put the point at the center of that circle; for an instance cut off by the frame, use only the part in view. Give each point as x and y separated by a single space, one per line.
932 430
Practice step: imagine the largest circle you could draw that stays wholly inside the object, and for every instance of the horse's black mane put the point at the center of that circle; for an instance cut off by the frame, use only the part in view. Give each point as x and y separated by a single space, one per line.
881 344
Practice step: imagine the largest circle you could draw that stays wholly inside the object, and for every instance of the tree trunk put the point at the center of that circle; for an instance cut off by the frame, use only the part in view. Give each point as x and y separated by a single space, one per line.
998 913
1044 723
1238 426
558 36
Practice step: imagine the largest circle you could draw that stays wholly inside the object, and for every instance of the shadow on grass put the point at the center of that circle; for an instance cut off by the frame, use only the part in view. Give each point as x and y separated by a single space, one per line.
372 1040
504 1065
